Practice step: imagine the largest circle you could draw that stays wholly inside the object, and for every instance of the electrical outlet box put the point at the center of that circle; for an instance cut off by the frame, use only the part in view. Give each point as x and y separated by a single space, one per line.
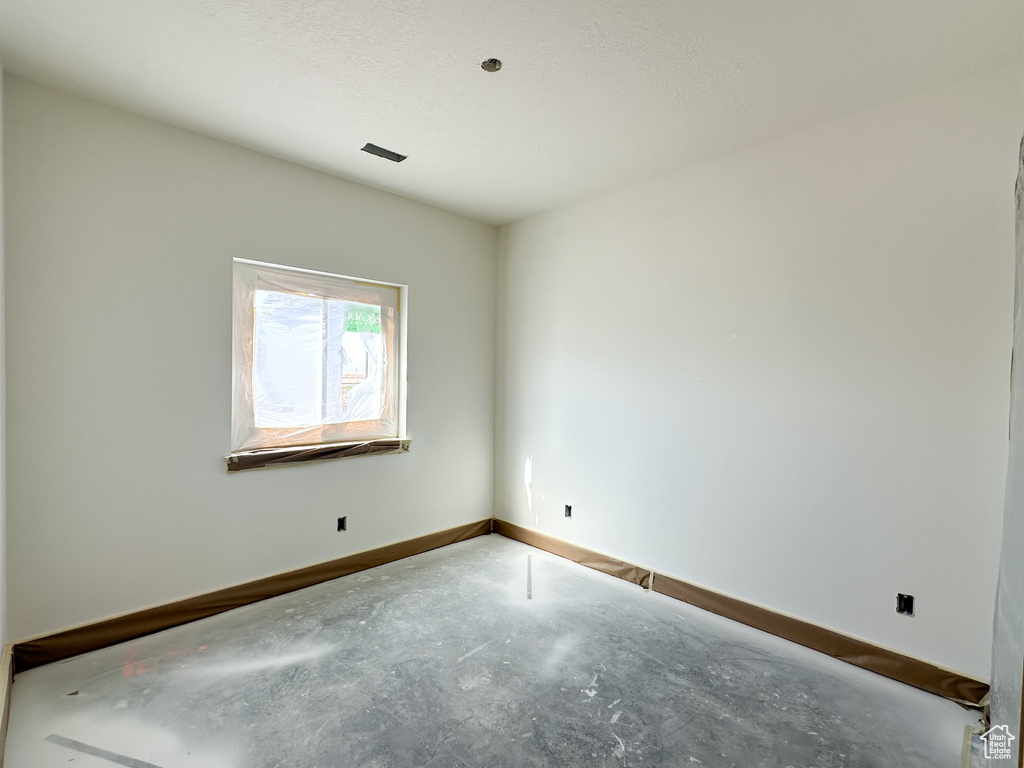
904 604
343 523
568 510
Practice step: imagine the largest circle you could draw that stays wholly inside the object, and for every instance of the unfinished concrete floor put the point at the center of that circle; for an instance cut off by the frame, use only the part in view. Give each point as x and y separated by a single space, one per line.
484 653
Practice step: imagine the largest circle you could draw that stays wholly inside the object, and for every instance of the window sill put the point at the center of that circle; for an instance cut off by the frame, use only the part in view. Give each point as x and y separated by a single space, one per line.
272 457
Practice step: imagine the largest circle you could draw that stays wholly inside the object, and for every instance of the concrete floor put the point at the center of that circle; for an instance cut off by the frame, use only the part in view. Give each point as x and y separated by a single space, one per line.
484 653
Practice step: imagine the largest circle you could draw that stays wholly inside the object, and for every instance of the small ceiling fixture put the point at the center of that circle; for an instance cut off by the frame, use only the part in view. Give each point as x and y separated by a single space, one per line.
387 154
491 65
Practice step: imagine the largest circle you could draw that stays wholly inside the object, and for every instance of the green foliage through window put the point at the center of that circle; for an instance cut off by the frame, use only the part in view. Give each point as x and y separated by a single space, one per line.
362 318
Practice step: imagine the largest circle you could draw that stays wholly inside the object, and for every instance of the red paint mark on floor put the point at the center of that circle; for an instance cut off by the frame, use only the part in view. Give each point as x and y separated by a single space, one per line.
132 667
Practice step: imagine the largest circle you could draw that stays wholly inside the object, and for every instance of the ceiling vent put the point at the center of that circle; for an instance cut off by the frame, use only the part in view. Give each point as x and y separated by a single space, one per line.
387 154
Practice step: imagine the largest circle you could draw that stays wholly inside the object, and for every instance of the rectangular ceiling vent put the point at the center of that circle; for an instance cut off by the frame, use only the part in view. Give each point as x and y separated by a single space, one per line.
387 154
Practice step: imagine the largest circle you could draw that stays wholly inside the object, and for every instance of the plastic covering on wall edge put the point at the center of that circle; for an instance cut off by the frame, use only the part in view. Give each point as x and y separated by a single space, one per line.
272 457
7 675
71 642
905 669
1008 624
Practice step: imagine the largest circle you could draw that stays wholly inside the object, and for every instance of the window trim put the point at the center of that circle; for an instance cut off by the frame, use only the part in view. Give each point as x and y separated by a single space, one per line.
253 446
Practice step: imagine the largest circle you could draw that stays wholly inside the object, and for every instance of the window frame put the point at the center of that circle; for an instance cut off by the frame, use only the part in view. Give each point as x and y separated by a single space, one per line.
253 446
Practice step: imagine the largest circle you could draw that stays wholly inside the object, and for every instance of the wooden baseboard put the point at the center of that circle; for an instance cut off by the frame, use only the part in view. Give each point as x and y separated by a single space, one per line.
906 669
599 562
884 661
71 642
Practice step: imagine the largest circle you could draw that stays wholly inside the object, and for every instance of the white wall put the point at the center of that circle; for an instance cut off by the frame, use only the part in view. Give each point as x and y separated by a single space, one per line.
3 395
120 234
783 374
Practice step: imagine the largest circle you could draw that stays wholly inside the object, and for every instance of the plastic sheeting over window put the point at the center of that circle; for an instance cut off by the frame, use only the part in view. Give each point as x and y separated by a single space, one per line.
315 358
311 362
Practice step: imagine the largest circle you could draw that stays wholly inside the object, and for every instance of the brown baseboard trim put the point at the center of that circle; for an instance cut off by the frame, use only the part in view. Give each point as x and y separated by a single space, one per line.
71 642
634 574
905 669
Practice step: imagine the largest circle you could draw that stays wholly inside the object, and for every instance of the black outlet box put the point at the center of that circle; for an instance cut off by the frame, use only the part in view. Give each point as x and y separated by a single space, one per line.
343 523
904 604
568 510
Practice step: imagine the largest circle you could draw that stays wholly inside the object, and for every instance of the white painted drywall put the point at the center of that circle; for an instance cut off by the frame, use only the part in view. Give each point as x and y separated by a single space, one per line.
783 374
120 235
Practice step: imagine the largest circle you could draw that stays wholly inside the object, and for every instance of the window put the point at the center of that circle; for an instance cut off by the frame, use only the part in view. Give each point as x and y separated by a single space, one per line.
316 366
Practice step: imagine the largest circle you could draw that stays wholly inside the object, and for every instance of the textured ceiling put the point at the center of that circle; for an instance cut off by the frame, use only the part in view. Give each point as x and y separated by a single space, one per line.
593 93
